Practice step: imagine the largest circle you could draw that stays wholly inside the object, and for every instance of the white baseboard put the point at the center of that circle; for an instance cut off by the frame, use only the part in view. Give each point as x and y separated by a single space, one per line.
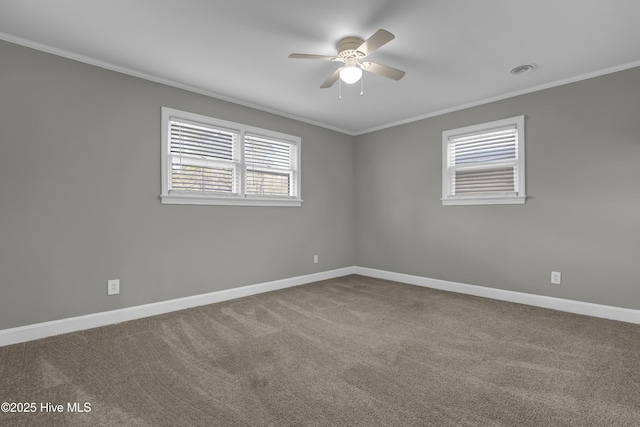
79 323
589 309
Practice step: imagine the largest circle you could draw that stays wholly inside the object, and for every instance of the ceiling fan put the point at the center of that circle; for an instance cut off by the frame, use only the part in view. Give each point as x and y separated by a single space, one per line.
351 52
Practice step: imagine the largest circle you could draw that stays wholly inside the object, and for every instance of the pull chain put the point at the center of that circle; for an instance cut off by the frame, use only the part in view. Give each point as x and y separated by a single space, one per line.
340 87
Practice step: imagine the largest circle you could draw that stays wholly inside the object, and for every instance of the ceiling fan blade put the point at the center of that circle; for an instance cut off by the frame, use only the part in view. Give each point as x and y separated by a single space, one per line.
383 70
380 38
332 79
305 56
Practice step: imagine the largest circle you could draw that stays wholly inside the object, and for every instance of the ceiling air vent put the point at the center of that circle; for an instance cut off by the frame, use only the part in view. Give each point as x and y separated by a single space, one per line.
522 69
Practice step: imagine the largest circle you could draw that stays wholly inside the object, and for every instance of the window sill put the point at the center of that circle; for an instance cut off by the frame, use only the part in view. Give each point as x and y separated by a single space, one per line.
189 199
492 200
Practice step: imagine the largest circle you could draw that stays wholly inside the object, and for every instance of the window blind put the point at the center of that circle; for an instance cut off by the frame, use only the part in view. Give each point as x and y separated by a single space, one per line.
210 161
271 166
484 162
202 158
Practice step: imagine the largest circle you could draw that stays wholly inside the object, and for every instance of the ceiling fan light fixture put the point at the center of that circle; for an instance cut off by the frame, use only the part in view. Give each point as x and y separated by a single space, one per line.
350 75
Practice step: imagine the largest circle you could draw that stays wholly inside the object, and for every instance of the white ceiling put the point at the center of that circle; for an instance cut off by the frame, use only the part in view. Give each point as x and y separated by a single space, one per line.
456 53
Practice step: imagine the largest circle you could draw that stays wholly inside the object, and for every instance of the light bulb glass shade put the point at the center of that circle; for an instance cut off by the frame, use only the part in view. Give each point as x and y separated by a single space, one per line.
350 75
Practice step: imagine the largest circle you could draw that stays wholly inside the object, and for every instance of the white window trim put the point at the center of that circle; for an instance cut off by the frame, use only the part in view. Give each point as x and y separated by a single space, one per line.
192 198
509 199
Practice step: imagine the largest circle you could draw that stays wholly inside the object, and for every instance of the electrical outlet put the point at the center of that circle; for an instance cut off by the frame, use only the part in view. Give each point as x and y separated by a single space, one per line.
556 278
113 287
315 259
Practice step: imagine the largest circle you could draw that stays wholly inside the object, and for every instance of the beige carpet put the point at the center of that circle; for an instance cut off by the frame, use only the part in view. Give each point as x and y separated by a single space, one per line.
352 351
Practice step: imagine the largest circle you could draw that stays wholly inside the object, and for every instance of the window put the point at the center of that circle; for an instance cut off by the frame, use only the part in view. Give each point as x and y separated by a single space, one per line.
207 161
484 164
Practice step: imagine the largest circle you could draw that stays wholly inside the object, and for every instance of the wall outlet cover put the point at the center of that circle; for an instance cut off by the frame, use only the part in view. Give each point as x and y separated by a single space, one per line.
113 287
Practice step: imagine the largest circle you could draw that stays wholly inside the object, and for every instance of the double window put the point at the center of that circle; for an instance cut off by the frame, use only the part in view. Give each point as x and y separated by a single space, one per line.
484 164
216 162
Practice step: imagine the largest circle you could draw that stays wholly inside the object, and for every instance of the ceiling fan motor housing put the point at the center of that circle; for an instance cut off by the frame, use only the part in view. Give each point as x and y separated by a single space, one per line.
347 48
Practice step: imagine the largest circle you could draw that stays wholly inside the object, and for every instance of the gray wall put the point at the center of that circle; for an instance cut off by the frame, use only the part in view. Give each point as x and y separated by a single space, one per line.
582 216
80 180
79 197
